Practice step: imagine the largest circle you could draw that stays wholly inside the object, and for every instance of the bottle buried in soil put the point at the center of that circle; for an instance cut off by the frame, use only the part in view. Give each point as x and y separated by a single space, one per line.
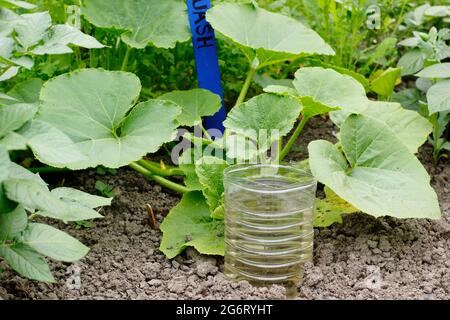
268 224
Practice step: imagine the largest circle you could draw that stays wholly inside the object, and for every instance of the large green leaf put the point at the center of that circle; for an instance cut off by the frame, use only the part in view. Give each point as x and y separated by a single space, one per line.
13 116
50 145
438 97
437 71
13 141
310 107
260 116
26 262
195 104
53 243
376 173
269 37
210 174
12 223
409 126
190 224
331 89
27 91
162 23
91 106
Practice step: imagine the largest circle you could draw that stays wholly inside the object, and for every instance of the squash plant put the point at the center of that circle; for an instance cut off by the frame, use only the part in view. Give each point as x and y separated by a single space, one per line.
95 117
372 169
24 196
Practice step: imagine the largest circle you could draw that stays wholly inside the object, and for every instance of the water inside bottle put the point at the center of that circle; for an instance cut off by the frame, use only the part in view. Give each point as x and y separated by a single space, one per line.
268 234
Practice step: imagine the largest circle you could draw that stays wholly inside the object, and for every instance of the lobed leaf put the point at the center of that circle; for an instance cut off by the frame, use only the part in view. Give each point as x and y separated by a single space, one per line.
269 37
330 88
409 126
261 116
162 23
195 104
189 223
376 173
95 109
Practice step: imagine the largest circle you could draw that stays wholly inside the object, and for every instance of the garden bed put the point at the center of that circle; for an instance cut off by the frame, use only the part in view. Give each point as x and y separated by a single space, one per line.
363 258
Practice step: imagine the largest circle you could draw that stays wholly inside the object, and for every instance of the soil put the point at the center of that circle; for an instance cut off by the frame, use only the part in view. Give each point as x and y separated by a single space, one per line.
363 258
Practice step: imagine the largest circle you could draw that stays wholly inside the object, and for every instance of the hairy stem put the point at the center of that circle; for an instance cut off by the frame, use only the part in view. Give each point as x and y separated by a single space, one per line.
156 169
48 170
125 59
248 81
162 181
293 138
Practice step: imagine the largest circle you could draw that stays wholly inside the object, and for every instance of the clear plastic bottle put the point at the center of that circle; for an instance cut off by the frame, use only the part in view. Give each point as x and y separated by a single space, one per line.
268 223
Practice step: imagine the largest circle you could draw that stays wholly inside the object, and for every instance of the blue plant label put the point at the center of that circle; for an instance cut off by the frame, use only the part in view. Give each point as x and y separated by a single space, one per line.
207 62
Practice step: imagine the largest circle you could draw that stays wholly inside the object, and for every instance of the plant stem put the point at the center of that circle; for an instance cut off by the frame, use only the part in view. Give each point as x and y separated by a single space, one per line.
125 59
205 133
400 17
156 169
436 147
162 181
47 170
248 81
293 138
